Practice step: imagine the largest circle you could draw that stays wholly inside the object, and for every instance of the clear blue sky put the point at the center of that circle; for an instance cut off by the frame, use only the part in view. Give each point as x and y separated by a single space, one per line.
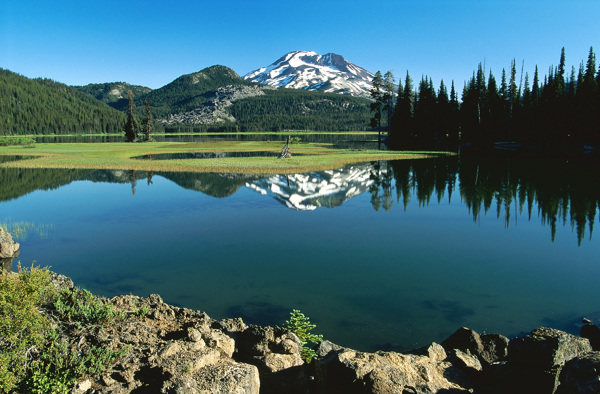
151 43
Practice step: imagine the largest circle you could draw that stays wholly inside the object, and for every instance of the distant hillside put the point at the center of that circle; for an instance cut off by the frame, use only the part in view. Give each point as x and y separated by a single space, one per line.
190 91
42 106
115 94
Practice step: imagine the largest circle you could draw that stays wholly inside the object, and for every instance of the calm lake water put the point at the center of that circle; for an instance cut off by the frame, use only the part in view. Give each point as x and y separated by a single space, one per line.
387 255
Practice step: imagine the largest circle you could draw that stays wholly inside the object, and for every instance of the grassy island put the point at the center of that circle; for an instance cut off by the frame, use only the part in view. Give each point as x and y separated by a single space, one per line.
122 156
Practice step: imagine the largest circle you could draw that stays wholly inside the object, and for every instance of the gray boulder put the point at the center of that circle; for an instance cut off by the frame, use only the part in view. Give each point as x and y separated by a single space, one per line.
344 370
275 351
536 360
488 348
8 247
581 375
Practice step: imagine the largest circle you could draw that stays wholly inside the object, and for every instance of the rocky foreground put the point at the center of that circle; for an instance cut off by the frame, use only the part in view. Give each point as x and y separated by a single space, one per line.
178 350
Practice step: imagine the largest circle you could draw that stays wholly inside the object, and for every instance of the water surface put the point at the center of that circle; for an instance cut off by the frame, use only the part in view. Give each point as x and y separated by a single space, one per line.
385 255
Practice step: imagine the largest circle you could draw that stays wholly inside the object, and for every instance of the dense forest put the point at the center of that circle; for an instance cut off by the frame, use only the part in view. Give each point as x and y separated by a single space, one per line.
292 109
563 109
42 106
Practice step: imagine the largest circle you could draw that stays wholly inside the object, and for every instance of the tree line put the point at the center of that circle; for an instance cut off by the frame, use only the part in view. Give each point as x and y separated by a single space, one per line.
43 106
560 109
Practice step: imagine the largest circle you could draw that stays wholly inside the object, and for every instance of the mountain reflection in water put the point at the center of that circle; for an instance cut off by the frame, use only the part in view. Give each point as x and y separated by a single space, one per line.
563 191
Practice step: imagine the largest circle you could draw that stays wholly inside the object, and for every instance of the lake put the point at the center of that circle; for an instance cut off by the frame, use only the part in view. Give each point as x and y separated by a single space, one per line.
383 255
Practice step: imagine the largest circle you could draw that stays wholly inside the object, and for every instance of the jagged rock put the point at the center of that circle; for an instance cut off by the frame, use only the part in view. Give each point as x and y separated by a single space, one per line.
546 348
465 361
488 348
60 281
225 377
591 332
464 339
536 360
276 353
8 247
581 375
326 347
495 348
348 371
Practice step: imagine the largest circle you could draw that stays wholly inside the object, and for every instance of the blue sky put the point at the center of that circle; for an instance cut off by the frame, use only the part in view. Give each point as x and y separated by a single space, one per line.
151 43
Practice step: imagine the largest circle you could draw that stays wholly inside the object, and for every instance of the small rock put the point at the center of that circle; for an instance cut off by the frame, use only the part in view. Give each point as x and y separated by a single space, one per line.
465 361
84 386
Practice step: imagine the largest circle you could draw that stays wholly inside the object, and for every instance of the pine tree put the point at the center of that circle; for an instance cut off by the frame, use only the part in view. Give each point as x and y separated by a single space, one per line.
131 125
388 97
148 123
377 105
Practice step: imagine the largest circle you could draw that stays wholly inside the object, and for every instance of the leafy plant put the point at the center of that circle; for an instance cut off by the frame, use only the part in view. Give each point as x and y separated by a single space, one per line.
141 312
300 325
22 326
83 308
57 369
34 355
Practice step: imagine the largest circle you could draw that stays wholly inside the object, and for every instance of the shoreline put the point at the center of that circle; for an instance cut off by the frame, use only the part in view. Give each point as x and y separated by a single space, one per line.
174 349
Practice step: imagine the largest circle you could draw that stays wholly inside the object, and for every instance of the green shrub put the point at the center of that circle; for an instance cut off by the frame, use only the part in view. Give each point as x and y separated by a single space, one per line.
300 325
22 325
19 140
84 309
57 369
34 356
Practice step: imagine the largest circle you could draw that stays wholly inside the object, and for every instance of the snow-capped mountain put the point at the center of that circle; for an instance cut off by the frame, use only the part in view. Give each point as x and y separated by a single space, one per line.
308 70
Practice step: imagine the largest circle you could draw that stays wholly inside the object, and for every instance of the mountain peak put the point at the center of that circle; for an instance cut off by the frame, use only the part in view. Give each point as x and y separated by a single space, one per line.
308 70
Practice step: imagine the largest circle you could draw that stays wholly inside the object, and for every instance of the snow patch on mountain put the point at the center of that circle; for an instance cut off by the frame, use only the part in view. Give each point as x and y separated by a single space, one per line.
308 70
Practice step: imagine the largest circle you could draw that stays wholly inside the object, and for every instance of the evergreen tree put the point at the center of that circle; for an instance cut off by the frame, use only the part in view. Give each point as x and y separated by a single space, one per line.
454 120
388 97
131 125
402 119
148 123
377 105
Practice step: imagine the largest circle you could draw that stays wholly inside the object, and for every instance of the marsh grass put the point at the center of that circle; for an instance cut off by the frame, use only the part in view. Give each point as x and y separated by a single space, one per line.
21 230
121 156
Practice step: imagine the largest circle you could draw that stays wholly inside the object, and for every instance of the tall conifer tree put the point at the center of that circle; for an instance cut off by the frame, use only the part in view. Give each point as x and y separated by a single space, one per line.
131 125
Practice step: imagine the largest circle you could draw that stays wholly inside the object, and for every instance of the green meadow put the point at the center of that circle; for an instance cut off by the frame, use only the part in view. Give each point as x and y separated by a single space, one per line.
305 156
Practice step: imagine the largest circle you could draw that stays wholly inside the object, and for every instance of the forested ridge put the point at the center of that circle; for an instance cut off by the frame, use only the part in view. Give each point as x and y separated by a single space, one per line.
189 91
113 93
559 109
293 109
43 106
